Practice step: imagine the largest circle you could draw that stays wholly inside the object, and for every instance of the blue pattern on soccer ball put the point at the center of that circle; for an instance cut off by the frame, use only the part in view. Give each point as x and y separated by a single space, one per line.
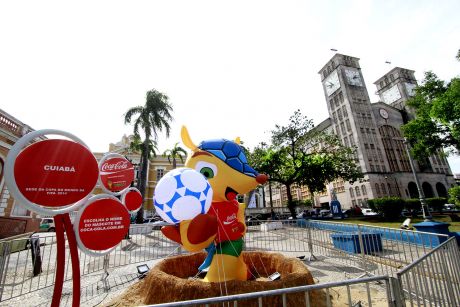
229 152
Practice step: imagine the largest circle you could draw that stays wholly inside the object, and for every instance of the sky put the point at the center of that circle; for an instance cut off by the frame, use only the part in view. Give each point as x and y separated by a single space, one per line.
229 68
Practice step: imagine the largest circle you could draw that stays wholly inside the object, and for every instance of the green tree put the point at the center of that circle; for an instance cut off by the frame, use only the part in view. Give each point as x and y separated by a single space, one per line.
175 153
137 144
437 122
454 195
151 118
302 155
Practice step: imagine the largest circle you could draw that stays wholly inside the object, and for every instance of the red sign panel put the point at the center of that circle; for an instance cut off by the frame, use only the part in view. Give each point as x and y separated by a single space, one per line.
55 173
103 224
116 174
133 199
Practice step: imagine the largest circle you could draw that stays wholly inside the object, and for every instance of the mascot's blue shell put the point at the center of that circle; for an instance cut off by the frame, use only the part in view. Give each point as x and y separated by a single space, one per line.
229 152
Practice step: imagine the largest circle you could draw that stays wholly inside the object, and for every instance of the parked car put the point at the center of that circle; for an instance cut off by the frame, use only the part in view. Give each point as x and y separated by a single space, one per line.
325 213
47 224
448 207
259 218
155 221
369 212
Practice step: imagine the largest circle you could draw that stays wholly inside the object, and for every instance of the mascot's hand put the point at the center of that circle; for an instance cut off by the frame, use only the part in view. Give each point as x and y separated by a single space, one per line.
201 228
172 233
241 228
194 235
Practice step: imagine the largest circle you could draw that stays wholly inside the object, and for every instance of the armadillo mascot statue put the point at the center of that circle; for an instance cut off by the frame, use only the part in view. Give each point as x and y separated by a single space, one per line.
221 229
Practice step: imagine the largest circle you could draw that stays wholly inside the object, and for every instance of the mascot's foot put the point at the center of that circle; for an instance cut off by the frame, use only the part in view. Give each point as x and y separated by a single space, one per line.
226 267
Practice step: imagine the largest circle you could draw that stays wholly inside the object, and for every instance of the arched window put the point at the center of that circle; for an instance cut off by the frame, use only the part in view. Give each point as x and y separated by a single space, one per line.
440 189
357 191
377 189
384 190
363 189
427 190
351 192
413 192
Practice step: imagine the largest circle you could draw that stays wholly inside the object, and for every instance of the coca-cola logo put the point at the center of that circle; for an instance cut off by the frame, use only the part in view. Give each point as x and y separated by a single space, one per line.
120 165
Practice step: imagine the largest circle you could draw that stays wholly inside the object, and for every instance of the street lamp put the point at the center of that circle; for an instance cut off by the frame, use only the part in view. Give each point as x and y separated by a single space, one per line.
426 213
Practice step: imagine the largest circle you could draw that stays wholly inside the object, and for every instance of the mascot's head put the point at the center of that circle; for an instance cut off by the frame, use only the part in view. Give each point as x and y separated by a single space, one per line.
224 164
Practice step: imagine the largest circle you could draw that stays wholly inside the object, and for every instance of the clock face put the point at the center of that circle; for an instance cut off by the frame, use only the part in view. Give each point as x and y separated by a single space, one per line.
391 95
332 83
410 88
353 77
383 113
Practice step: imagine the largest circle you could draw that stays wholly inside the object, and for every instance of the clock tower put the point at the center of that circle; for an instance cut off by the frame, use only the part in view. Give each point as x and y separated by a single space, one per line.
396 86
350 111
374 129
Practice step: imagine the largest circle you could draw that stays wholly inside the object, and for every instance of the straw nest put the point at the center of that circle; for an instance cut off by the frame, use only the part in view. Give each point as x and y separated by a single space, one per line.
170 281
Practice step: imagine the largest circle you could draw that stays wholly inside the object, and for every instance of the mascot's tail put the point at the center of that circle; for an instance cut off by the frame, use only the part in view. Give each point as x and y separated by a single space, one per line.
211 249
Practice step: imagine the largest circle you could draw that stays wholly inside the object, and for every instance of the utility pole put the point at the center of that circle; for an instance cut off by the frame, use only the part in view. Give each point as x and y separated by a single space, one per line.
426 213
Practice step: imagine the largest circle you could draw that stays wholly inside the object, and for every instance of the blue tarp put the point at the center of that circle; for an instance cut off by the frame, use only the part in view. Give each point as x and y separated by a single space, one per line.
430 240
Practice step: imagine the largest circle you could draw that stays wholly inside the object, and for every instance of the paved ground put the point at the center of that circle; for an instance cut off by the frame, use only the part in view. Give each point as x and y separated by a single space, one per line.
98 289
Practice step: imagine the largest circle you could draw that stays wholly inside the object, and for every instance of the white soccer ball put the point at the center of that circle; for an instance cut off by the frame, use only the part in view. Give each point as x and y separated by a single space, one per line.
182 194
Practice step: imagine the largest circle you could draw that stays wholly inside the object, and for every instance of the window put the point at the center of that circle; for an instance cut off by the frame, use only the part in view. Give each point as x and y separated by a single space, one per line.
353 203
352 194
357 191
384 190
160 173
377 189
20 211
363 189
344 110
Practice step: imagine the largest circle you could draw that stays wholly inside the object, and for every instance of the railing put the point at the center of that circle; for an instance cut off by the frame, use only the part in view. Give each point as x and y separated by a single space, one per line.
311 295
375 251
18 269
11 125
434 279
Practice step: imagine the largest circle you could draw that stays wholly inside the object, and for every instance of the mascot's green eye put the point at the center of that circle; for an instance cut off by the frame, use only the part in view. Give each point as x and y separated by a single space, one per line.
207 172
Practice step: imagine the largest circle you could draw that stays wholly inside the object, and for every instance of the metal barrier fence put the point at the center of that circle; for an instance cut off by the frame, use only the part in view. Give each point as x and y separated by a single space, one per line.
345 292
18 269
374 250
434 279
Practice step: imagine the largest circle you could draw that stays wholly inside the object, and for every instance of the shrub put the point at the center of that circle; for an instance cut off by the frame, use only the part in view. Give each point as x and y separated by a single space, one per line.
436 203
412 205
389 207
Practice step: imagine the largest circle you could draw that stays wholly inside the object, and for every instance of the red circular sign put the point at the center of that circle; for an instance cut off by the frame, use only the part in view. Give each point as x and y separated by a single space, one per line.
103 224
55 173
133 199
116 174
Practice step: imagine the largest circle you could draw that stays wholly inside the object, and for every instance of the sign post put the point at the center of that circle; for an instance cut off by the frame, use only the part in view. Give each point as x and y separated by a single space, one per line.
56 176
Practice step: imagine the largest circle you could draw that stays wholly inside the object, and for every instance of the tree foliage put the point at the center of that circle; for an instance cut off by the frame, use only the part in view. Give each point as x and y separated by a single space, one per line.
437 122
454 195
151 118
175 153
302 155
137 144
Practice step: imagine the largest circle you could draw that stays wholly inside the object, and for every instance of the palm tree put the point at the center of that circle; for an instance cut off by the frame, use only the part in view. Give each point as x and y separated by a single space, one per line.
174 153
152 118
137 144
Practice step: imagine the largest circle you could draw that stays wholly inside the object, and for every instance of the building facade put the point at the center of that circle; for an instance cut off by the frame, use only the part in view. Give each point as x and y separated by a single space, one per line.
374 129
14 219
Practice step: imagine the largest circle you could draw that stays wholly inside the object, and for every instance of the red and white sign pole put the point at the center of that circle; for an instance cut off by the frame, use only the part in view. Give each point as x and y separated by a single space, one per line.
56 176
53 177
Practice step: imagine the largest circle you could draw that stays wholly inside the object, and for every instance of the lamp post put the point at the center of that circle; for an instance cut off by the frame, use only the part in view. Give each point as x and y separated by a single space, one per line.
426 213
